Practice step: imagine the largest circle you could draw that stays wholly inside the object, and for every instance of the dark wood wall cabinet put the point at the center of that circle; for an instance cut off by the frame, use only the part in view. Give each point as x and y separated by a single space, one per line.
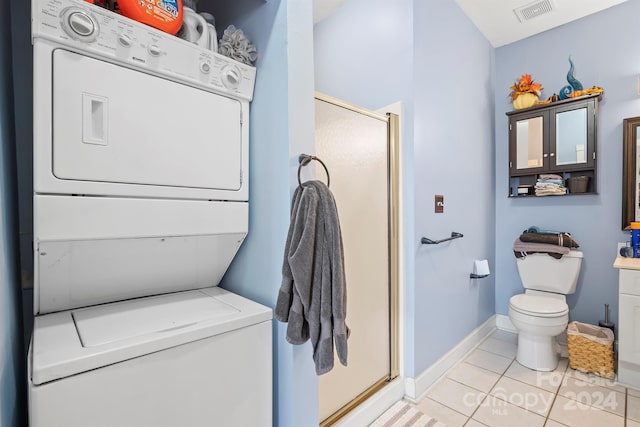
559 139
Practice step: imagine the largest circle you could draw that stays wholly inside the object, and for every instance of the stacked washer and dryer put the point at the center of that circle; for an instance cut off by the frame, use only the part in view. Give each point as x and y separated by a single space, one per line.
140 204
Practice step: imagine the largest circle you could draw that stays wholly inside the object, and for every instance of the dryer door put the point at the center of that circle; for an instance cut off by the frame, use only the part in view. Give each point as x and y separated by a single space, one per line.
120 126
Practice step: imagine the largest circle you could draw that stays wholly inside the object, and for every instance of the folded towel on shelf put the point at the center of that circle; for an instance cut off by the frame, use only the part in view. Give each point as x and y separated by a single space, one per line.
550 176
557 182
541 184
550 185
549 190
312 296
522 249
561 239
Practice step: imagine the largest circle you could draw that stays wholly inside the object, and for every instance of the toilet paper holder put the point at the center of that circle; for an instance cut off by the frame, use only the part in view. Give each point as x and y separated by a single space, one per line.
480 269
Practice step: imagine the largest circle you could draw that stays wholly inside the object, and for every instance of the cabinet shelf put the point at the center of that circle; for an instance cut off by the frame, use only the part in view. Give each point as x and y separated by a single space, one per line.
557 139
529 181
555 104
537 197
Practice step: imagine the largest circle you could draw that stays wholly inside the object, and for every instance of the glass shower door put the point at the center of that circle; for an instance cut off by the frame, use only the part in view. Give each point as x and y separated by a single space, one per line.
354 144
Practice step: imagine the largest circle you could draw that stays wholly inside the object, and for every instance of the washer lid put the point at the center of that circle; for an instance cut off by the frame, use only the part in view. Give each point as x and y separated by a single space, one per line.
537 305
111 323
74 341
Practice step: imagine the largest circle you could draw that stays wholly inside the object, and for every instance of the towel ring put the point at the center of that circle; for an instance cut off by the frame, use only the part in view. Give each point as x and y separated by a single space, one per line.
304 160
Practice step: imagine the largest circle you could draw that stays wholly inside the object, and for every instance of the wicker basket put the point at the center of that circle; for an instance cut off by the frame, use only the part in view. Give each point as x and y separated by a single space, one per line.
591 349
578 184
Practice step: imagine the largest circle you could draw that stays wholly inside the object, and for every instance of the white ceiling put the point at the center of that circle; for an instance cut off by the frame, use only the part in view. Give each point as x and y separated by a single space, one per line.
497 20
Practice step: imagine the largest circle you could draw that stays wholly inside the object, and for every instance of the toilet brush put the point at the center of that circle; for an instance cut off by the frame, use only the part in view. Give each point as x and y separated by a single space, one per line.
605 323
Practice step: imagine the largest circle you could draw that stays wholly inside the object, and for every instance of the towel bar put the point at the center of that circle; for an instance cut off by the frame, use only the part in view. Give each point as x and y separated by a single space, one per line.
454 235
305 159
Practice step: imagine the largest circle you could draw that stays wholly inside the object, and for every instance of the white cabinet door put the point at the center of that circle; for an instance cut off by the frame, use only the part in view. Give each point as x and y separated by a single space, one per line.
629 329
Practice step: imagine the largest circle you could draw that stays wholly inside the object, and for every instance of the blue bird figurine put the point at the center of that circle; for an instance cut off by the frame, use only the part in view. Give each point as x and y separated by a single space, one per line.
574 84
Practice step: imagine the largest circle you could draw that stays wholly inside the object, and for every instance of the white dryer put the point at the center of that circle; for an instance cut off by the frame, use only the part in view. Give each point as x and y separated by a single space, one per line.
140 204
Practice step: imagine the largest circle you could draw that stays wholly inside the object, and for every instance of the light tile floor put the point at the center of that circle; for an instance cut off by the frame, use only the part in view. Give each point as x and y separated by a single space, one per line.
490 388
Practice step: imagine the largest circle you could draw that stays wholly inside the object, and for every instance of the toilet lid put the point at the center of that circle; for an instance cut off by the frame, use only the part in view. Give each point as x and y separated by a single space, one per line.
538 305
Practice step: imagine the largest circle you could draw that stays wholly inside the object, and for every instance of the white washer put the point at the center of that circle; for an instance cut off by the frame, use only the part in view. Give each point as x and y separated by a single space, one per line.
193 358
140 204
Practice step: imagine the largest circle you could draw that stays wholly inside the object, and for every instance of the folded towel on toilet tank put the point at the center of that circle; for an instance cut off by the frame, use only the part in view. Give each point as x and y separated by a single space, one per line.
536 229
560 239
522 249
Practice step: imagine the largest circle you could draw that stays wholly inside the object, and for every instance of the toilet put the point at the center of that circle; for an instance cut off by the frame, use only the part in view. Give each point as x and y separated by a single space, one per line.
541 312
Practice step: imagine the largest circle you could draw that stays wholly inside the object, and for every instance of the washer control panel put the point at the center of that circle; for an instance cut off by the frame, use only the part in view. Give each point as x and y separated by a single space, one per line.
103 34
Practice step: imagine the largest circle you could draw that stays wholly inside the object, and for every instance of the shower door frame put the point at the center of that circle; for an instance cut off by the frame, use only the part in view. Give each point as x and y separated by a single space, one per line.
394 239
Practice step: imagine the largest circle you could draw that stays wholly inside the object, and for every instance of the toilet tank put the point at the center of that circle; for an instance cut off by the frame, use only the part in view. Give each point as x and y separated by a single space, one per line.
545 273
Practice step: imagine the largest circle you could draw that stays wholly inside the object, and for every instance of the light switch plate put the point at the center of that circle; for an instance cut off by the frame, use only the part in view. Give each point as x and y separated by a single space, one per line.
439 203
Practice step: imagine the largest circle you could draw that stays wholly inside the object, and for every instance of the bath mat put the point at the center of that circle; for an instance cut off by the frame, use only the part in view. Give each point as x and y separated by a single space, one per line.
404 414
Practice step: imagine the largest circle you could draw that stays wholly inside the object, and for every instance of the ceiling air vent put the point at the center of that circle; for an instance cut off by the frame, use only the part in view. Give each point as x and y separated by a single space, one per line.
533 10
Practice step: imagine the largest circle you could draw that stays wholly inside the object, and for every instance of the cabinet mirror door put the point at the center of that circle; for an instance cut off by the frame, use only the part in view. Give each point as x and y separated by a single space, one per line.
529 143
631 172
571 137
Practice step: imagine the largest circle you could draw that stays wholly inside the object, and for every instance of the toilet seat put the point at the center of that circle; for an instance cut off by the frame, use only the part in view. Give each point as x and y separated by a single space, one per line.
539 306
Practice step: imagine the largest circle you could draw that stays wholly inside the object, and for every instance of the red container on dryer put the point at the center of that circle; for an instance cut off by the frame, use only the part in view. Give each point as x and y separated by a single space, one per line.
165 15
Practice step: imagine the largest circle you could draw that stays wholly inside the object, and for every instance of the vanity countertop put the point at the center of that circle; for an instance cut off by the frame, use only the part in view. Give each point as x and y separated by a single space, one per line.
627 263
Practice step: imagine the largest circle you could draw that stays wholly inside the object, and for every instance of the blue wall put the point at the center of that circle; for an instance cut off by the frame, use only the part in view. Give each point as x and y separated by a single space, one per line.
427 55
281 126
604 50
454 156
364 56
11 346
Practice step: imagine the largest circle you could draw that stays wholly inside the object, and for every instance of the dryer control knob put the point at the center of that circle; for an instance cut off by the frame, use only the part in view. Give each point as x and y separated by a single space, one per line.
124 40
231 77
79 24
154 50
205 67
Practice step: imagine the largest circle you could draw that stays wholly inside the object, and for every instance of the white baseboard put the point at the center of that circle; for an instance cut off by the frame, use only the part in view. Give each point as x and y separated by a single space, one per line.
415 388
504 323
369 410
